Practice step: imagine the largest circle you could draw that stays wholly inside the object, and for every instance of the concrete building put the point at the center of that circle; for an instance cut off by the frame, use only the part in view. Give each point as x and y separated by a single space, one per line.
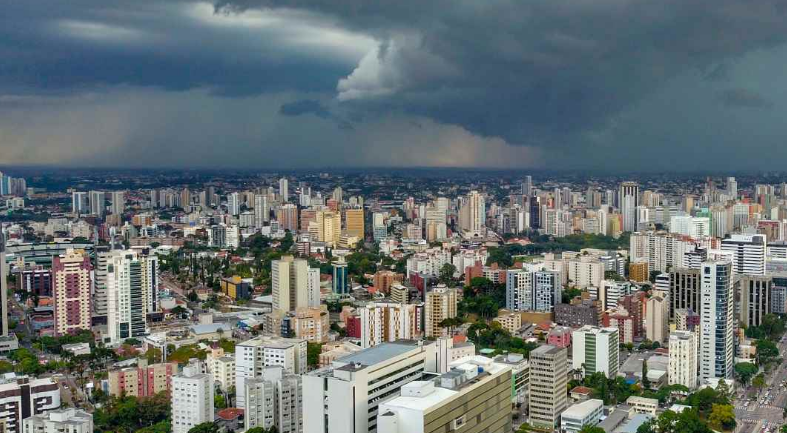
252 356
683 359
685 290
643 405
440 304
468 398
346 396
748 252
289 281
596 350
387 322
577 416
548 381
192 399
639 272
71 286
628 201
657 318
3 289
66 420
354 223
131 282
22 397
511 322
716 321
753 299
275 399
449 351
142 380
578 313
532 290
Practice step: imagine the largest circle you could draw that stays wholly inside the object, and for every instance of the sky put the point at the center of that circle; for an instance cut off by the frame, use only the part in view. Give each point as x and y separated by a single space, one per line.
609 85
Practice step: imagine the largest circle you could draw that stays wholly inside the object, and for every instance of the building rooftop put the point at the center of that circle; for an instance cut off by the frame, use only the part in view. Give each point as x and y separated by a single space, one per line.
546 350
377 354
210 328
583 409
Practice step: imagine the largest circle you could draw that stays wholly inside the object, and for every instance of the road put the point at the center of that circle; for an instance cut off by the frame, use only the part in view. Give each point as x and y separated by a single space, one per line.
765 410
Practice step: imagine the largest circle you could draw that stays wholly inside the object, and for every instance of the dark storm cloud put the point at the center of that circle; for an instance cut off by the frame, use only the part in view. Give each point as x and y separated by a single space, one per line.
744 98
52 46
305 106
539 72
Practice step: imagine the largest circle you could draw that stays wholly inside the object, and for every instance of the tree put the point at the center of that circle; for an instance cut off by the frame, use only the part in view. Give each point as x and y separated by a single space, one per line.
447 272
744 371
219 402
591 429
313 351
645 380
722 417
758 381
205 427
767 351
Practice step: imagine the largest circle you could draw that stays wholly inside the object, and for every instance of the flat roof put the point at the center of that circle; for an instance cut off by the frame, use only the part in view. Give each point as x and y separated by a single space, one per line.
379 353
581 410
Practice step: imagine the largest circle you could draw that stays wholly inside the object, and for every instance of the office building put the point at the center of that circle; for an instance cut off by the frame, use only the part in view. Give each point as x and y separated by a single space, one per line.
753 299
289 282
685 288
748 253
65 420
595 350
345 397
71 286
253 355
440 304
716 321
628 201
579 415
192 399
131 291
470 398
23 397
354 223
340 282
683 359
275 399
548 381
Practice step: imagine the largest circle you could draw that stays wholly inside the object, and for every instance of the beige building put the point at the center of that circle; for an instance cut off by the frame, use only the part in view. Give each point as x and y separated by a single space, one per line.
657 319
682 369
328 226
143 380
460 400
71 286
289 283
643 405
387 322
440 305
311 324
399 293
354 222
548 381
511 322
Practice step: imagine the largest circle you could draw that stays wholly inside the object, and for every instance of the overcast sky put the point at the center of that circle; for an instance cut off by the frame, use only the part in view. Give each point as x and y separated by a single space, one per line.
564 84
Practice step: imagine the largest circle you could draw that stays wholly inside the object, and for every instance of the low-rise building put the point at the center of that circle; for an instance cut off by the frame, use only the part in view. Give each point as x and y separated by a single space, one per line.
22 397
66 420
579 415
643 405
142 380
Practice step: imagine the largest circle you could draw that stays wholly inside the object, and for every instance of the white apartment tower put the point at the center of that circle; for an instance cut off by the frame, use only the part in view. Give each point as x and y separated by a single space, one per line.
682 368
192 399
716 320
131 288
749 253
252 356
275 399
628 200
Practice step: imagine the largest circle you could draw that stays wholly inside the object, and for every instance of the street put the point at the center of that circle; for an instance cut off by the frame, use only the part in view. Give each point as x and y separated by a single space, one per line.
765 410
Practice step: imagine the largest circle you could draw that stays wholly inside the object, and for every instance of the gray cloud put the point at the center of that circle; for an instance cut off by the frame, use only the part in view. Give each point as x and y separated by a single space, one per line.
744 98
305 106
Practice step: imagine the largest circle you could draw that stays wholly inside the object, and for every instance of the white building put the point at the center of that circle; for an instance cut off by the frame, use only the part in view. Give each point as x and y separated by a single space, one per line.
716 321
252 356
628 200
683 359
387 322
345 397
532 290
688 225
192 399
749 253
21 397
596 350
66 420
131 281
275 399
586 413
657 318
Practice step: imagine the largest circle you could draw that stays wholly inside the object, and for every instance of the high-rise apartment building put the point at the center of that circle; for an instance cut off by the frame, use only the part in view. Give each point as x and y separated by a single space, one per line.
131 291
548 381
71 286
716 321
472 214
23 397
657 318
118 199
3 288
192 399
80 205
387 322
346 396
748 253
284 190
98 203
328 225
233 204
685 288
595 350
252 356
682 368
440 304
533 290
275 399
287 216
289 282
262 210
628 200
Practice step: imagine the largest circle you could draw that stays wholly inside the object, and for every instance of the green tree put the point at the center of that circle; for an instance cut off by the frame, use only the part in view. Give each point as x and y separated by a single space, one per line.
722 417
313 351
591 429
758 381
767 351
205 427
645 380
219 402
447 273
744 371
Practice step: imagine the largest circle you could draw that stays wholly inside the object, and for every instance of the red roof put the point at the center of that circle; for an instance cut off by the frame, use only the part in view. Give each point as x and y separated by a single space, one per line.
581 390
230 413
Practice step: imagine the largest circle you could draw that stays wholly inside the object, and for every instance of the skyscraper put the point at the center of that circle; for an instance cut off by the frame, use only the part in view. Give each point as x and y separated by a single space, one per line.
287 215
284 190
262 210
98 203
79 203
354 222
685 288
289 283
754 293
233 204
732 187
628 200
3 288
118 202
341 284
440 305
472 214
527 186
716 321
131 285
71 284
